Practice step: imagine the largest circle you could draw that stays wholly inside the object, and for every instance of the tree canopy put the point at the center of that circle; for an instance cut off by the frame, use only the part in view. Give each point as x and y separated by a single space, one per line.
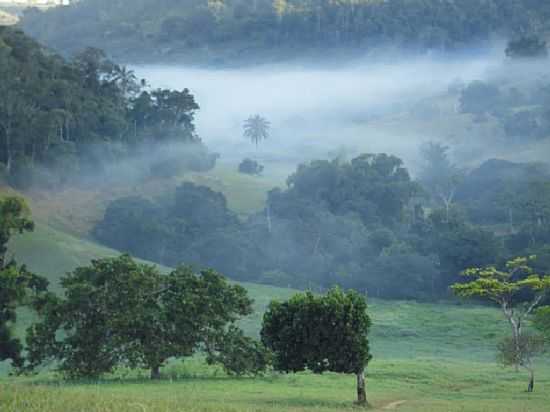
117 312
321 333
226 30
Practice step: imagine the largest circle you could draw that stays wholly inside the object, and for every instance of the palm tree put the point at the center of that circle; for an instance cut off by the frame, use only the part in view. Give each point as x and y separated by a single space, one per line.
125 79
256 128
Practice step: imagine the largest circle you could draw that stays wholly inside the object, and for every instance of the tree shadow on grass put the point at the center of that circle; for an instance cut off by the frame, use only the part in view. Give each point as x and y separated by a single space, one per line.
58 381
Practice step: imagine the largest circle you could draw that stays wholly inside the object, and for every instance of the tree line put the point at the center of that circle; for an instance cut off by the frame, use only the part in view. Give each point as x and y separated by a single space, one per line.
60 119
233 28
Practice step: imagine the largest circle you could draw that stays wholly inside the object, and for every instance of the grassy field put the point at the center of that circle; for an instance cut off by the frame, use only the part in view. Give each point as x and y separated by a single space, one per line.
406 385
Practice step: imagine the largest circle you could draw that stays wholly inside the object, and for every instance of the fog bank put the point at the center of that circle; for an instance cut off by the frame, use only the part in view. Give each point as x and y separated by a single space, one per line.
315 112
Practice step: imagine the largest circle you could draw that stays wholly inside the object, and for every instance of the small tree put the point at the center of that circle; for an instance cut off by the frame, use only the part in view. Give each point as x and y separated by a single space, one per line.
521 353
320 333
518 291
256 128
250 167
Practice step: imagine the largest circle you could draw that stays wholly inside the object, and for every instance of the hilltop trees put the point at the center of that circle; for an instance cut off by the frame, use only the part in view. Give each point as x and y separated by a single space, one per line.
61 118
320 333
240 28
518 291
120 312
17 284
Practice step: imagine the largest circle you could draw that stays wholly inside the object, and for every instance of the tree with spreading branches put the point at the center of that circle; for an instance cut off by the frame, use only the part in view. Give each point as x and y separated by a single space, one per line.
518 290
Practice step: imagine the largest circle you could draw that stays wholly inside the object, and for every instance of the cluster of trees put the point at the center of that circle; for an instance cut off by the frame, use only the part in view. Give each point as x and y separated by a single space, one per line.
236 27
523 109
117 312
363 224
63 118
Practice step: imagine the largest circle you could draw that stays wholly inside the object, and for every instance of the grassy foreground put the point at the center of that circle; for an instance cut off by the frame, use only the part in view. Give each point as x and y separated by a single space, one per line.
405 385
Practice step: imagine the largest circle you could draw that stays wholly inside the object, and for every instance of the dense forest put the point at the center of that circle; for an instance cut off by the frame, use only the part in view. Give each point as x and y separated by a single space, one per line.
363 224
220 31
64 119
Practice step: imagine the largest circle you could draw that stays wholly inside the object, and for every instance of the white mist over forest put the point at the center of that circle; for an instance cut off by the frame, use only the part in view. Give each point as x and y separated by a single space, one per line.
317 112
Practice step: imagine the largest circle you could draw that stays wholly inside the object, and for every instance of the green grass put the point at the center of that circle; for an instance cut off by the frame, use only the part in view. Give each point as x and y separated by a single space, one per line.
407 385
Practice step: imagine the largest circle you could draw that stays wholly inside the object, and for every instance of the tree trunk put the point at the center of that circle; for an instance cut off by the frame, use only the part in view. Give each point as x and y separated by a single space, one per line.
155 372
8 151
361 390
531 386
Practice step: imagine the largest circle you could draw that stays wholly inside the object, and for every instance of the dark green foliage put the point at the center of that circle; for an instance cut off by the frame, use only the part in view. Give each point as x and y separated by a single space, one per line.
250 167
171 230
349 224
17 284
235 29
527 47
239 354
59 118
119 312
376 187
319 333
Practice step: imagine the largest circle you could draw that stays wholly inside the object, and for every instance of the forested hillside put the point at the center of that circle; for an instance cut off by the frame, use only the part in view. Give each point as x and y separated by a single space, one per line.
219 31
63 120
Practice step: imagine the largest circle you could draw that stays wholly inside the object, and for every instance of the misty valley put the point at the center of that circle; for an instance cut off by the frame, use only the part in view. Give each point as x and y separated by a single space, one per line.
285 205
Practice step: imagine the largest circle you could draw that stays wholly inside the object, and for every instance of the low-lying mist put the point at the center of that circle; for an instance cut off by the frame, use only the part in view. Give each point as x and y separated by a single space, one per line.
320 112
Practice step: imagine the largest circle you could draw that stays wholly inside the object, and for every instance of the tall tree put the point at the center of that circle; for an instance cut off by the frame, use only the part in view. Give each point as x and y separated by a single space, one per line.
256 129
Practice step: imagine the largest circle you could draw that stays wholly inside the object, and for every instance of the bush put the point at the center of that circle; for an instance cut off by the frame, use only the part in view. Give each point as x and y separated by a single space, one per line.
250 167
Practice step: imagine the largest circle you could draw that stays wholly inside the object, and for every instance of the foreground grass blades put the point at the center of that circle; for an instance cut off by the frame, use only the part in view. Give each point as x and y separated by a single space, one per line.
420 385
